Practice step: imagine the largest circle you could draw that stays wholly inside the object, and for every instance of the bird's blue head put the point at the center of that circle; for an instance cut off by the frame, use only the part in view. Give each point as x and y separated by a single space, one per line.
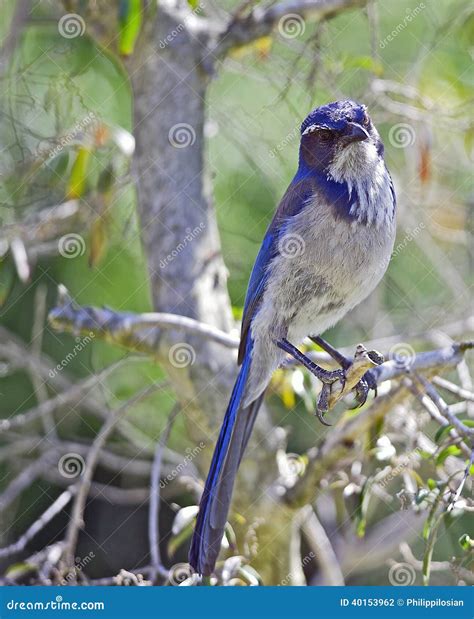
337 136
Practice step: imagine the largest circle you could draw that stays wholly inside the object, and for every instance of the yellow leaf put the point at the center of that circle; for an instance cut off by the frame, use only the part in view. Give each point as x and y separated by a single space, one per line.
262 46
288 395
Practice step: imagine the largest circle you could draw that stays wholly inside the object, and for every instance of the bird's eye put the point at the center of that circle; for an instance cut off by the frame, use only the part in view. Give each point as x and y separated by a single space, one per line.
366 121
325 134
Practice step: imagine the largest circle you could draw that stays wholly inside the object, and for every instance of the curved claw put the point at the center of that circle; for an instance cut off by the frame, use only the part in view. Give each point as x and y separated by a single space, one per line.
362 391
342 378
323 404
319 415
371 382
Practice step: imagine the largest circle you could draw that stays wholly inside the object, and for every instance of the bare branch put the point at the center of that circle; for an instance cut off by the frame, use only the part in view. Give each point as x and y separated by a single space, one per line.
37 526
465 394
319 542
70 397
261 21
121 327
25 479
16 354
443 408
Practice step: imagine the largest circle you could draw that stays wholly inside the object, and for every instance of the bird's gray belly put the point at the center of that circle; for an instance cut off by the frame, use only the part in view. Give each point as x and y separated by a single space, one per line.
337 273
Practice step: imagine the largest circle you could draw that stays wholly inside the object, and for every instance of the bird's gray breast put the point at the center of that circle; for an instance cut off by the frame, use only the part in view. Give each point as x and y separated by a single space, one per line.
326 265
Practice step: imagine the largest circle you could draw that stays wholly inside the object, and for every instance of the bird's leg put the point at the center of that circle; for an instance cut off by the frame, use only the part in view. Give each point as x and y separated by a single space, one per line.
343 361
327 377
367 382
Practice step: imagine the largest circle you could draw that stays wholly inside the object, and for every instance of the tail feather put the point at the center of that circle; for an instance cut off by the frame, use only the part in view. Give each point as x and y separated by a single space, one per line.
215 502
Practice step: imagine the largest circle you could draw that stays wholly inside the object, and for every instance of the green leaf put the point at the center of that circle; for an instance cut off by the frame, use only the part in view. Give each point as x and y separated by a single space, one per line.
106 179
361 513
77 180
7 278
364 62
130 21
466 542
444 430
176 541
469 141
426 455
451 450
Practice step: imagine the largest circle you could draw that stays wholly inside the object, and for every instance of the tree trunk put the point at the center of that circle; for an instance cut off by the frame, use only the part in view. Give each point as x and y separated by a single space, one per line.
179 230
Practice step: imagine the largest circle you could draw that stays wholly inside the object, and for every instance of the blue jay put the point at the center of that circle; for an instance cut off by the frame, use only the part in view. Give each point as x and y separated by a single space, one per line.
326 249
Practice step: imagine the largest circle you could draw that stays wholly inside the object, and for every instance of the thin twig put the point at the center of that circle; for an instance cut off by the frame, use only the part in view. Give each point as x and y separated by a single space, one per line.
153 514
452 388
39 524
319 542
443 408
70 397
26 478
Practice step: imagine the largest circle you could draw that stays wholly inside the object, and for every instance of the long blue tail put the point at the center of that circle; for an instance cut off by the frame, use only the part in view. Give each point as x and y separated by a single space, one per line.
215 502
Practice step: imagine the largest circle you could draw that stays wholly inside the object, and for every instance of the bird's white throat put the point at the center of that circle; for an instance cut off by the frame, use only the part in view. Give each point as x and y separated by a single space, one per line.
363 169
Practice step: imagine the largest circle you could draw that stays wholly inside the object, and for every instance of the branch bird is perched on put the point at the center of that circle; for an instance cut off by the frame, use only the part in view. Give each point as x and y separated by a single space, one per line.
326 249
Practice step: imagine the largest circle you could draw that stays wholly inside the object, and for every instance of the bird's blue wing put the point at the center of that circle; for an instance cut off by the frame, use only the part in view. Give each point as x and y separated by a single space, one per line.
296 196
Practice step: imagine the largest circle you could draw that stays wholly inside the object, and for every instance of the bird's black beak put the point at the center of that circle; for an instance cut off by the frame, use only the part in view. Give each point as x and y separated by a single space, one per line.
355 133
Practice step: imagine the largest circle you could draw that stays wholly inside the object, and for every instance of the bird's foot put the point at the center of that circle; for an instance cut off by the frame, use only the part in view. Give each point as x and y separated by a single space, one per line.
361 392
371 381
327 377
366 383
